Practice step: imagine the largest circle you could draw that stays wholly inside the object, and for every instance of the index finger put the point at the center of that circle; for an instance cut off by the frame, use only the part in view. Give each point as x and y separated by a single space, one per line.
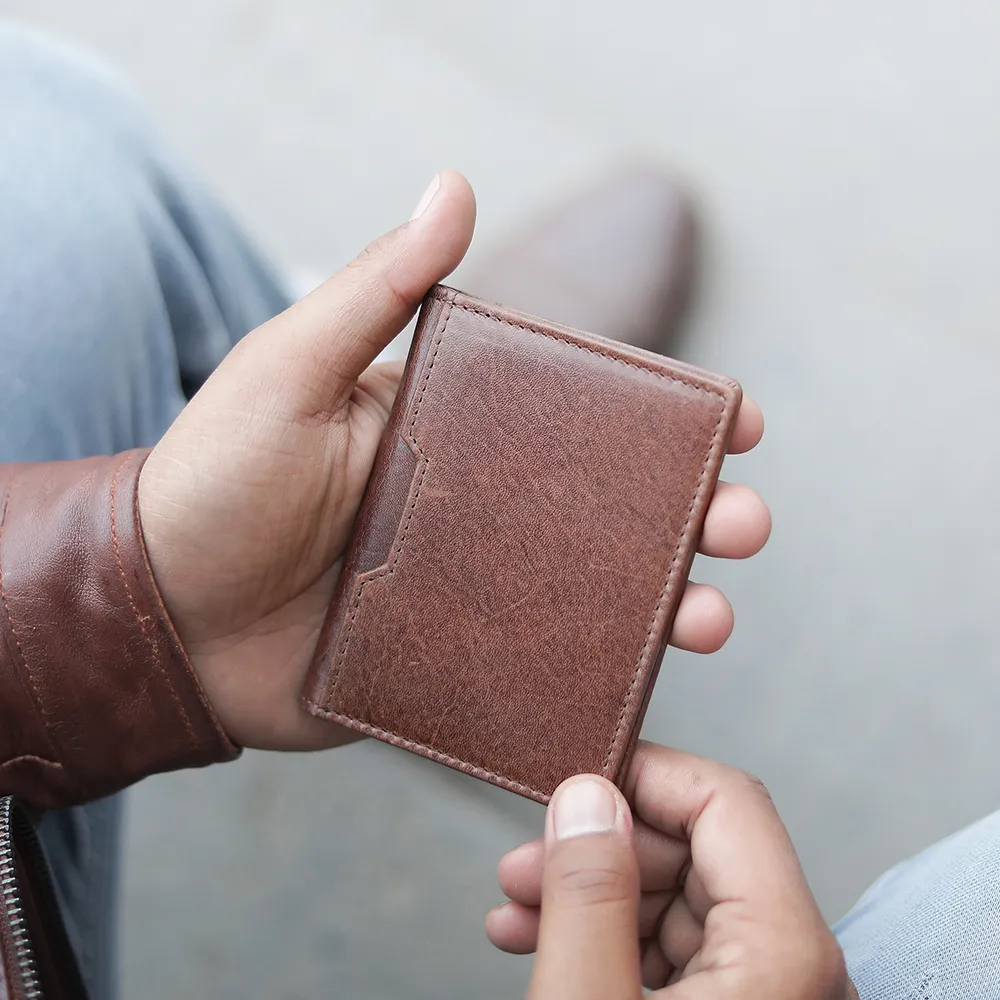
740 849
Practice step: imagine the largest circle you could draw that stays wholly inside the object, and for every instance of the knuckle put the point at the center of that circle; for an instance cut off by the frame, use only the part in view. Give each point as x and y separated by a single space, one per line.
591 886
643 759
376 263
373 253
754 786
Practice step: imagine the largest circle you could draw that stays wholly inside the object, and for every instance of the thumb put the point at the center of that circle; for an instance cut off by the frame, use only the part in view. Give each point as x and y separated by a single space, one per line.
588 945
313 353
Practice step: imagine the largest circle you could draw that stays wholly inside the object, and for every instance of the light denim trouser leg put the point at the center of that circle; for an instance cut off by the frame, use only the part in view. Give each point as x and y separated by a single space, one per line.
930 928
122 285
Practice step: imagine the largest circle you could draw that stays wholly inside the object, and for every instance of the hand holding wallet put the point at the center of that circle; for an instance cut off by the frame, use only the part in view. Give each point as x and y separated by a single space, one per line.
522 547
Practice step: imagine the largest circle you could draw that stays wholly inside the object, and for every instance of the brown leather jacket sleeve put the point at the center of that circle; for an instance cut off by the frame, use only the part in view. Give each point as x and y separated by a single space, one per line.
96 690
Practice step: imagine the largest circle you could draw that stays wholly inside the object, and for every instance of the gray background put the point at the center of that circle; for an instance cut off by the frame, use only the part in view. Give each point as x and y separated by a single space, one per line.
845 157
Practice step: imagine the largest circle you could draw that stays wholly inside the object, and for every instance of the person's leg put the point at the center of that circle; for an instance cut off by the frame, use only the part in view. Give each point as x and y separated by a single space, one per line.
122 285
930 928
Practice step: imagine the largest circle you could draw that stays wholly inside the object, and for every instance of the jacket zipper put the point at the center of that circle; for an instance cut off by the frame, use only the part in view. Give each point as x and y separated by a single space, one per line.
11 909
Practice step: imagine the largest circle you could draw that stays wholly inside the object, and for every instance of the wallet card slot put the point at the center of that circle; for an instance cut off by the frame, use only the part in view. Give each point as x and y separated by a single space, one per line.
392 493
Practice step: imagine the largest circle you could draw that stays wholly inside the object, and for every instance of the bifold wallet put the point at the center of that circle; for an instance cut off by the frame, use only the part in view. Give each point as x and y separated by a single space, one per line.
522 547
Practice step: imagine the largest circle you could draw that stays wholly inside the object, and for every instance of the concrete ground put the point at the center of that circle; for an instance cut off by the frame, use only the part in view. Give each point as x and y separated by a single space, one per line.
845 157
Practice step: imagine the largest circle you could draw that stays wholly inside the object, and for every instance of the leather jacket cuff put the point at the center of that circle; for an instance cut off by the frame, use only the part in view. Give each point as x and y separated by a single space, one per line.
96 690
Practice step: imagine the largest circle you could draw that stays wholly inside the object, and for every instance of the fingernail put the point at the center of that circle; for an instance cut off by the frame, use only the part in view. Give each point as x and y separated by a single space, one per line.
581 807
427 197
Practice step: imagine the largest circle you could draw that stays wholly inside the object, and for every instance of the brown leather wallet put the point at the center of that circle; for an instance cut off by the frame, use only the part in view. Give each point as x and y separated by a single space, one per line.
522 547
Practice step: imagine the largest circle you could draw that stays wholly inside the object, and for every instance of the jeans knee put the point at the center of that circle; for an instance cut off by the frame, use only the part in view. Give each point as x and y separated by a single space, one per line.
930 928
122 282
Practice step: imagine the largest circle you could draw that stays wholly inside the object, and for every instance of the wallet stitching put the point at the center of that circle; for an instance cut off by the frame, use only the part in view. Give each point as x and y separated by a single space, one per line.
143 620
428 751
475 769
562 339
388 570
675 562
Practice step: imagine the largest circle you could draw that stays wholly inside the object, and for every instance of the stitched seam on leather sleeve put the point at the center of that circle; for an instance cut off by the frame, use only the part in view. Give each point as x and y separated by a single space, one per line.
390 568
33 687
30 758
475 769
142 620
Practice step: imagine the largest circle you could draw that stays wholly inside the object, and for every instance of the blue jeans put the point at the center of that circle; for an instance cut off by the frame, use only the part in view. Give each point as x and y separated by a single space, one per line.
929 929
122 285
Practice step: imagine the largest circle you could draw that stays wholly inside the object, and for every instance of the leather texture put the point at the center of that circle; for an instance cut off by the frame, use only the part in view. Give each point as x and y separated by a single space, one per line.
96 691
522 547
617 258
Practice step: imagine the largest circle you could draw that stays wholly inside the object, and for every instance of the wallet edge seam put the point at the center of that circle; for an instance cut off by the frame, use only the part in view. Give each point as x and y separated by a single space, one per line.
439 756
680 552
722 391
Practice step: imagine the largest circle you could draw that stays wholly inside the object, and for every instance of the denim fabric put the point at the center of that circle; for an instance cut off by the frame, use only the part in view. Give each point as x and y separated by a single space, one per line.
122 285
929 929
